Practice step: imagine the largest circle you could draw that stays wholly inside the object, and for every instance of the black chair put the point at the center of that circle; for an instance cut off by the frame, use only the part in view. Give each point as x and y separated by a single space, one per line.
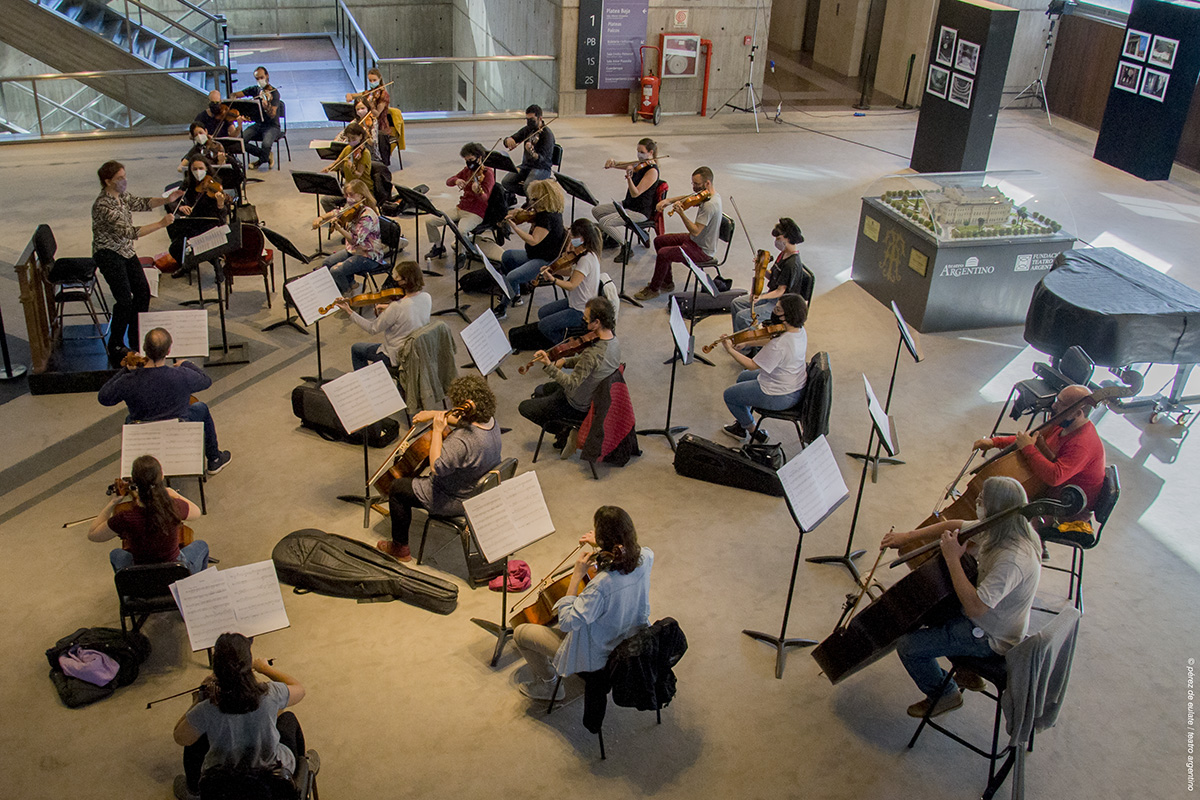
393 241
282 136
810 415
1082 541
478 571
726 235
556 155
225 783
1035 396
145 589
572 427
72 280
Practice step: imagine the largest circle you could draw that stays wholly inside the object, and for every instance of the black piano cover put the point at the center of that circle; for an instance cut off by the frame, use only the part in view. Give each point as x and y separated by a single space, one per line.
1116 308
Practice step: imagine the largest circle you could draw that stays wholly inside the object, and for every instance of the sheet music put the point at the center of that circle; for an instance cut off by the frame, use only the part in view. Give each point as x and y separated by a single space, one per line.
211 239
152 276
178 446
883 424
486 342
813 484
312 292
320 144
188 329
701 275
503 284
679 329
245 600
511 516
364 396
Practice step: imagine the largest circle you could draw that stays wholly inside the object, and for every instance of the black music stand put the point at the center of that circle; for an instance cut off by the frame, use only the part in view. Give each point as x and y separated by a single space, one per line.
577 189
632 229
232 242
685 352
500 161
186 228
11 370
337 111
421 205
504 290
251 109
317 183
701 278
461 244
235 146
909 341
231 181
284 246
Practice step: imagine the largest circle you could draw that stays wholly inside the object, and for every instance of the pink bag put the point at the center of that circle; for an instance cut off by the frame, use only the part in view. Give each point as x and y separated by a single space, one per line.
519 577
89 665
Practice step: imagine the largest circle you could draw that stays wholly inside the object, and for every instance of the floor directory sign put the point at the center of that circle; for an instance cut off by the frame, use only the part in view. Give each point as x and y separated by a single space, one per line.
610 33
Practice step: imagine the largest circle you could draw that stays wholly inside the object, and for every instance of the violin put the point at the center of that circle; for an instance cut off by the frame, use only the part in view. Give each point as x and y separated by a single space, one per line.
212 187
523 215
269 108
226 113
368 299
340 216
652 162
353 154
565 349
369 95
412 454
560 267
751 337
762 264
550 590
125 489
691 201
368 119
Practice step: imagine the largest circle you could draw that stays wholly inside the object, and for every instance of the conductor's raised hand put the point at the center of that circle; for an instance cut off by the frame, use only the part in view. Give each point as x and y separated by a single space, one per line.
174 195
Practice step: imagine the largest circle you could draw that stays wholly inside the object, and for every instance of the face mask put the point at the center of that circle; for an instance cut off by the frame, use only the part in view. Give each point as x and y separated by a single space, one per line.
353 144
201 138
780 243
472 163
213 107
372 84
199 174
362 112
262 82
577 243
120 185
980 511
644 156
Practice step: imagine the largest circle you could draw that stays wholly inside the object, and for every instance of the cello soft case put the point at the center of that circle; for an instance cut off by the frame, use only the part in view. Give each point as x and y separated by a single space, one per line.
314 561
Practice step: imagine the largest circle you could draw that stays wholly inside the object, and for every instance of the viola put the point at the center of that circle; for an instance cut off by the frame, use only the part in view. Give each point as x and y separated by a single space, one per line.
751 337
652 162
125 489
560 267
412 454
550 590
350 156
368 299
340 216
565 349
691 201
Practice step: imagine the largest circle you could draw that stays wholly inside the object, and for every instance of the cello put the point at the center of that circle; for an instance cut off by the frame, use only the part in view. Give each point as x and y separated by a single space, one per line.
550 589
412 454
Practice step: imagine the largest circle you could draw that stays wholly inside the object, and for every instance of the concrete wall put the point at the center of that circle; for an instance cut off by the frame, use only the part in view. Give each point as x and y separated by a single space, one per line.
907 30
512 28
1029 45
840 30
787 25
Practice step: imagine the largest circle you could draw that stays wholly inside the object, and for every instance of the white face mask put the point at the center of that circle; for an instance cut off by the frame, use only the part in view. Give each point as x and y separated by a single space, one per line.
644 156
781 243
577 243
199 174
201 138
372 84
980 511
262 82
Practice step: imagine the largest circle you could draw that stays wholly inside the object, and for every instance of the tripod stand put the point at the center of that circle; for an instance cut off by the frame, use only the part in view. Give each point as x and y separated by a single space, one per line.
1037 87
752 101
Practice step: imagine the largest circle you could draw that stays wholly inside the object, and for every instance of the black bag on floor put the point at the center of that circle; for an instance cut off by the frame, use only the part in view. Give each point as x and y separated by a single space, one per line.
709 461
312 407
477 281
314 561
129 650
706 303
528 337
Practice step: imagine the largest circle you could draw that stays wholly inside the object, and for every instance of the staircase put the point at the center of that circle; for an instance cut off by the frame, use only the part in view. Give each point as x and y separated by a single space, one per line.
88 35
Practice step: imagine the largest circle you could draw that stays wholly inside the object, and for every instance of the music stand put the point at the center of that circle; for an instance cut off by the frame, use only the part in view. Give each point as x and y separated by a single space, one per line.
251 109
421 205
233 241
909 341
310 294
486 343
883 427
504 290
236 146
11 370
685 345
701 279
337 111
230 181
813 488
284 246
186 228
500 161
317 183
577 189
461 243
631 229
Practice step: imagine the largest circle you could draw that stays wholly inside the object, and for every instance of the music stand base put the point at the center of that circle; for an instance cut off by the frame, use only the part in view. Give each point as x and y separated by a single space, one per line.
461 310
669 433
502 634
846 560
630 300
780 645
13 372
695 357
289 321
224 360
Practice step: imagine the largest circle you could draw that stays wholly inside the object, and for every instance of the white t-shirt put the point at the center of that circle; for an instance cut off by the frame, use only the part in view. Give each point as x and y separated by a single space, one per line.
1008 588
589 265
783 363
401 319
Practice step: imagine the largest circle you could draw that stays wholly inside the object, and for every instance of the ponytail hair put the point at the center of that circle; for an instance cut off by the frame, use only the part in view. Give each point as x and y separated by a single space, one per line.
161 516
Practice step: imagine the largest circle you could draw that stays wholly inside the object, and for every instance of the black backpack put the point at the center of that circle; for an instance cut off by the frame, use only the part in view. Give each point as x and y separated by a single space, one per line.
312 407
129 650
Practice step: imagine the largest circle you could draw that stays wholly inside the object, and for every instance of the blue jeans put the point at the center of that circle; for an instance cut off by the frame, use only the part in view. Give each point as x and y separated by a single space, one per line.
739 309
198 412
195 555
345 265
518 268
515 182
555 317
364 354
920 650
746 393
267 132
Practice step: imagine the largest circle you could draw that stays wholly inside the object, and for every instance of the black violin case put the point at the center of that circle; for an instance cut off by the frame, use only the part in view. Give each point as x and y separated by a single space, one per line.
708 461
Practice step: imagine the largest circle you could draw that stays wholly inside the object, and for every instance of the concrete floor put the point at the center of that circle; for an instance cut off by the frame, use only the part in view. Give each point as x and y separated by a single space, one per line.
403 703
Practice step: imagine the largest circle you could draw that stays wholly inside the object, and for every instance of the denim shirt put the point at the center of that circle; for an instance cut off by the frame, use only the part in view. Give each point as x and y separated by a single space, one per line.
608 610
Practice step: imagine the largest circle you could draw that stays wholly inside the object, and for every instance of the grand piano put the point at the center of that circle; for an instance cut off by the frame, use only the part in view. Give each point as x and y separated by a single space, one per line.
1122 313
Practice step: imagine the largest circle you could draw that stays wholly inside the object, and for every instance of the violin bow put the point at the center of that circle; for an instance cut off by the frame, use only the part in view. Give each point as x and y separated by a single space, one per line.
537 587
483 161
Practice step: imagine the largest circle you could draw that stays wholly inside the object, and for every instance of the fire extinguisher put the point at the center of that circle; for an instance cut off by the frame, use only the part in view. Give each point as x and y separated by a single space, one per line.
648 86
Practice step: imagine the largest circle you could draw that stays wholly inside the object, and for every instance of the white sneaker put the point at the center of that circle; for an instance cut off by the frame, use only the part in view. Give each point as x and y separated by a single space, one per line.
538 689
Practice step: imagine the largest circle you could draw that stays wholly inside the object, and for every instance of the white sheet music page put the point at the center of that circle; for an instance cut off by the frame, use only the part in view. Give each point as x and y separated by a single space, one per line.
503 284
152 276
701 275
211 239
188 329
511 516
312 292
679 329
178 446
364 396
880 418
813 484
486 342
257 600
206 604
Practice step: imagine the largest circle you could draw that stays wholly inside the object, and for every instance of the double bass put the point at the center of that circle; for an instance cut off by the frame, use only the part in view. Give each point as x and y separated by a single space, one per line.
412 454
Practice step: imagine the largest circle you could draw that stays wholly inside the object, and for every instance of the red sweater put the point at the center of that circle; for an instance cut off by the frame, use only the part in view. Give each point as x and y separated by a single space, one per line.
1078 460
470 202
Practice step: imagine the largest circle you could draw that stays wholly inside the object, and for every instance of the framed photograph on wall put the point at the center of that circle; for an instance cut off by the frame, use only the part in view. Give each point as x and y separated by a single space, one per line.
1162 53
1129 76
939 81
1154 84
960 90
968 57
1137 44
947 38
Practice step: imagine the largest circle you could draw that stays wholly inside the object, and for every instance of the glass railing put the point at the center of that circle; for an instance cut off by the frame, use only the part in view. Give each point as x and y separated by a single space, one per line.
469 86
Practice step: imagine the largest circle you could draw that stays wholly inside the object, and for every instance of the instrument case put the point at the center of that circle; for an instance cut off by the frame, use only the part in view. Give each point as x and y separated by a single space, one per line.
312 407
709 461
310 560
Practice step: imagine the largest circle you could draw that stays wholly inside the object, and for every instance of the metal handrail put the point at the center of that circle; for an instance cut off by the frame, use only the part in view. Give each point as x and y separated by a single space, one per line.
462 59
199 10
195 35
108 73
68 111
362 36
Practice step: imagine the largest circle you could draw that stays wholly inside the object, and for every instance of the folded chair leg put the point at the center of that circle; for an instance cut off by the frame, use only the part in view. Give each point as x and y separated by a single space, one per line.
600 736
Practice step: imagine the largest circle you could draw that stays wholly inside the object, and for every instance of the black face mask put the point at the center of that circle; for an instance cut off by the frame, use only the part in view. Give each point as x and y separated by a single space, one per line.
213 107
776 315
472 163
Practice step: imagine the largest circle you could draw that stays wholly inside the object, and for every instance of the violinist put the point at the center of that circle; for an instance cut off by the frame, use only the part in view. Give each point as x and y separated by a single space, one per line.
148 522
203 146
787 276
364 249
563 402
537 152
268 130
580 282
774 379
469 450
381 176
113 235
592 619
543 241
397 320
209 202
156 392
217 119
995 611
475 183
378 101
353 164
700 241
641 183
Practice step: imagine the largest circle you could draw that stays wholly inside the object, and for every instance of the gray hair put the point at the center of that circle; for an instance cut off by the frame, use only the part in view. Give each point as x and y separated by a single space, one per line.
1002 494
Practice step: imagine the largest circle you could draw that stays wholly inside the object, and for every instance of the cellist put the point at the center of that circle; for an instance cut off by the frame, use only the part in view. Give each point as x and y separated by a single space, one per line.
469 450
995 610
591 622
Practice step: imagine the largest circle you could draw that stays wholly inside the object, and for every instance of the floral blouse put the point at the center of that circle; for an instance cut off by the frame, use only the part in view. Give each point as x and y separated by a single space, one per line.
364 236
112 222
